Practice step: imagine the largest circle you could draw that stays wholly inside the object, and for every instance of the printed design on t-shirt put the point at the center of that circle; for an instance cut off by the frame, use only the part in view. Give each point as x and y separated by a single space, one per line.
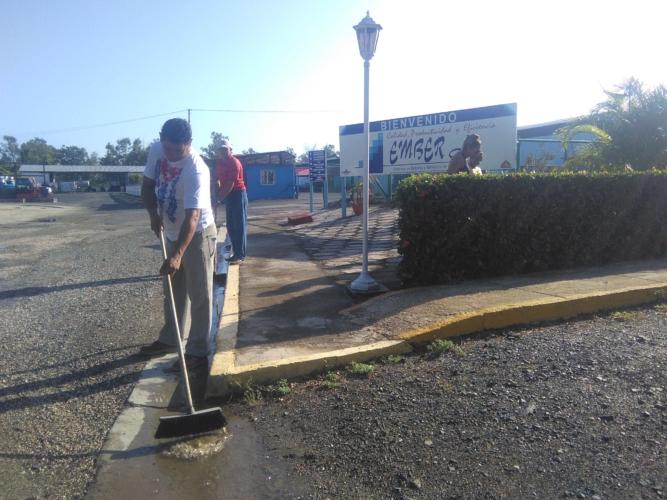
166 190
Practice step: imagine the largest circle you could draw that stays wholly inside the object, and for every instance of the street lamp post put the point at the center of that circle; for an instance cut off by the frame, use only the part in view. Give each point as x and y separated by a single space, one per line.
368 32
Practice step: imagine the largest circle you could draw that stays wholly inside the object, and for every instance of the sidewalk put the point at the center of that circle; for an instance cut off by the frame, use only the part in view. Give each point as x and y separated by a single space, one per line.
287 312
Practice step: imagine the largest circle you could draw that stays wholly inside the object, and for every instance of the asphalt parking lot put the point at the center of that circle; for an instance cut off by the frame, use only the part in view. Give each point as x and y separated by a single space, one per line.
78 296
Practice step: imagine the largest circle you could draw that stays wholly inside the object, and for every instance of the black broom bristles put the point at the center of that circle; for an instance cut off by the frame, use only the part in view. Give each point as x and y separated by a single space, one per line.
192 423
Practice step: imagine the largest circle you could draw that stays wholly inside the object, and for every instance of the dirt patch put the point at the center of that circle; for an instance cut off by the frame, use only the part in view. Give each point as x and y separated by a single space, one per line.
573 409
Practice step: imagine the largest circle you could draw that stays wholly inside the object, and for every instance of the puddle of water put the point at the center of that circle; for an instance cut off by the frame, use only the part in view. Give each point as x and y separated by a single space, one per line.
198 447
229 464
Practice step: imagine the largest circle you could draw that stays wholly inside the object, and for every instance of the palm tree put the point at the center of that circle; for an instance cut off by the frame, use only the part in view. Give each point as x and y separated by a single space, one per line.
630 127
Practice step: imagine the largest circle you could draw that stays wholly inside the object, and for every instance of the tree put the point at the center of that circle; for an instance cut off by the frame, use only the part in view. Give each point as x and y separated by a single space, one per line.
248 151
118 154
111 157
329 149
216 141
71 155
631 127
37 152
10 152
93 159
138 154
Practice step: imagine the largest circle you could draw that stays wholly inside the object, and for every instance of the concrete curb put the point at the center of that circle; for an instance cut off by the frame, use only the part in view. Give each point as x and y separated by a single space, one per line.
229 379
226 377
551 308
224 359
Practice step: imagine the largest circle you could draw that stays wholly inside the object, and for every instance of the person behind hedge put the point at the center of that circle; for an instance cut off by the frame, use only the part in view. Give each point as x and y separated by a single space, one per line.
472 147
474 161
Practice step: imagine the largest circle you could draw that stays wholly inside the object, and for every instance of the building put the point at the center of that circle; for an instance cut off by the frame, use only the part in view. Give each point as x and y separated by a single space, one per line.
540 148
52 175
269 176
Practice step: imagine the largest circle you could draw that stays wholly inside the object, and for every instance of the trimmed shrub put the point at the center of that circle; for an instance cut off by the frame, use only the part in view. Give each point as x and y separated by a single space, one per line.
457 227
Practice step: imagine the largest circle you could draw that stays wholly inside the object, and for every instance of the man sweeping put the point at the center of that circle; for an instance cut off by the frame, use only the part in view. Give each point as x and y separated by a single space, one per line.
176 193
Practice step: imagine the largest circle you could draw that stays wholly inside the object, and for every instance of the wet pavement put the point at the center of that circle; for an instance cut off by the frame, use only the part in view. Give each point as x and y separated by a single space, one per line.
335 243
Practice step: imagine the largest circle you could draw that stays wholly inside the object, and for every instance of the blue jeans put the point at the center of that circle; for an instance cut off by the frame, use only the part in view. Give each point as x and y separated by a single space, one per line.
236 207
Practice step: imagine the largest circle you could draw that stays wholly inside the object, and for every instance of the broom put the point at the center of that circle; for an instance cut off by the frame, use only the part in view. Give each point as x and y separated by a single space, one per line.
194 422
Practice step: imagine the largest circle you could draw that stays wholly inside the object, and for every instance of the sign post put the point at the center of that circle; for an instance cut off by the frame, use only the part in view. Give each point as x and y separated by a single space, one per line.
317 166
343 196
310 184
325 185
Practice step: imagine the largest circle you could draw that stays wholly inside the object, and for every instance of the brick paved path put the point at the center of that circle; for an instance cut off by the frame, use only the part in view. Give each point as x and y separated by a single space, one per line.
335 242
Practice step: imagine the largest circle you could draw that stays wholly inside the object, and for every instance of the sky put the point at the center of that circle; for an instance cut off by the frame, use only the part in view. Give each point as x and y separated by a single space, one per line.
293 67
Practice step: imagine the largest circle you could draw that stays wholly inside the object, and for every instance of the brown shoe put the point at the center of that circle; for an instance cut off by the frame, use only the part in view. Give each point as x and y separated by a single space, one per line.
157 348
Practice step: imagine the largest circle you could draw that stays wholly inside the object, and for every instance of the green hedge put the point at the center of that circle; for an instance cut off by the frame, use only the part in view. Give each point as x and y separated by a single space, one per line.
457 227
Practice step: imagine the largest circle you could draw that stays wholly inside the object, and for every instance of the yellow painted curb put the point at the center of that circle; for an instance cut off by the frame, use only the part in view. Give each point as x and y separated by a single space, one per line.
226 377
531 312
224 358
230 379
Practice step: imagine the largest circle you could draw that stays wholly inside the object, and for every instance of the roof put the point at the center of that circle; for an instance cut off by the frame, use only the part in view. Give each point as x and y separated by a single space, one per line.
273 158
75 169
543 129
268 158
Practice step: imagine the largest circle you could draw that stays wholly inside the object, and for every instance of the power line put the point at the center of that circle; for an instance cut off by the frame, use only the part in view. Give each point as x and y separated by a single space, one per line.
99 125
120 122
292 111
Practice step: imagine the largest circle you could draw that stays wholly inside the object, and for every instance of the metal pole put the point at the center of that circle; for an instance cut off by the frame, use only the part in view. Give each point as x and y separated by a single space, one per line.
365 282
311 196
367 156
189 115
343 196
325 186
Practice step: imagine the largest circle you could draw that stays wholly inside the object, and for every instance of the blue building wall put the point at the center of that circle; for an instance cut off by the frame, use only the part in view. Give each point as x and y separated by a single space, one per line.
258 178
540 148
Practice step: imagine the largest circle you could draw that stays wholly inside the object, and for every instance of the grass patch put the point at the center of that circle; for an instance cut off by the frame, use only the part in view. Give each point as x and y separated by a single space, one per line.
393 359
361 369
282 387
252 396
445 386
625 315
331 380
660 307
437 347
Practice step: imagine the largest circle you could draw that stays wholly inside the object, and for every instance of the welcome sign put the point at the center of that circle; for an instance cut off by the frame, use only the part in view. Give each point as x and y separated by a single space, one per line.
425 143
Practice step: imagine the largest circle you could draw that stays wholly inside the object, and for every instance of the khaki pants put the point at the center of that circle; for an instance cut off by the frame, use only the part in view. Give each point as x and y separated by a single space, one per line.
192 283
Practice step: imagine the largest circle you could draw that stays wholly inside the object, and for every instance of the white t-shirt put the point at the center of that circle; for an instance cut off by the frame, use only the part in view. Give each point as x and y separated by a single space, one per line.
179 186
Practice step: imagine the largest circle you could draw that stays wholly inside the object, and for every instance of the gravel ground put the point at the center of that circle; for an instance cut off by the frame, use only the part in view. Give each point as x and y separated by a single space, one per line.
564 410
78 296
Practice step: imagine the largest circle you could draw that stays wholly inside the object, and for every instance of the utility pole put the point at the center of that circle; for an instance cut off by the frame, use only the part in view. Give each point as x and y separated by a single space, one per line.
189 115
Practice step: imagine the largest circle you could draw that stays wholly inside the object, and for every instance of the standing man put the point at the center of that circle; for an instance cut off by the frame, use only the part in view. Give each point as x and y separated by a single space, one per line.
231 186
177 195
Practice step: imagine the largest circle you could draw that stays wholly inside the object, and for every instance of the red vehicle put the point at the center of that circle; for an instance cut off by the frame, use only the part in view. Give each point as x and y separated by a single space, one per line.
28 189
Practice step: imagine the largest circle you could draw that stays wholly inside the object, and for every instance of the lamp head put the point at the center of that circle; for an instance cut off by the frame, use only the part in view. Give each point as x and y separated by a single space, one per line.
368 32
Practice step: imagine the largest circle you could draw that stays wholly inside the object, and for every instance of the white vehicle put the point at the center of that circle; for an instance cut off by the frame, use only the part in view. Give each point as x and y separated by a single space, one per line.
67 186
